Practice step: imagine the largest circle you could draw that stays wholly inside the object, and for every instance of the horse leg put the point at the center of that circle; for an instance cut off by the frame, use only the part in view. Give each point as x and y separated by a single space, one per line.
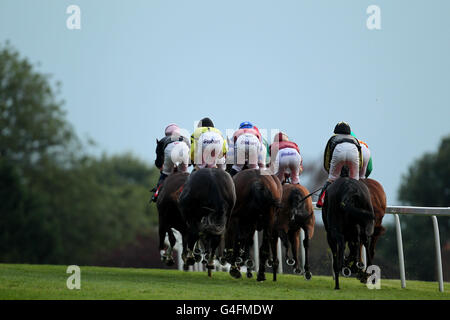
294 239
214 243
185 251
334 246
274 246
366 242
308 274
162 236
172 240
264 253
285 241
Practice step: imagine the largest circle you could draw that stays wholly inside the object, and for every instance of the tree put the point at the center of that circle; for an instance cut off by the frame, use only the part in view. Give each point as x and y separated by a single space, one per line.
427 183
32 121
57 204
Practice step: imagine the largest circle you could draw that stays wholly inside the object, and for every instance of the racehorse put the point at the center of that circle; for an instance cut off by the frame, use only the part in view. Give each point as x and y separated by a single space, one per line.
378 199
296 213
348 217
206 201
169 213
258 198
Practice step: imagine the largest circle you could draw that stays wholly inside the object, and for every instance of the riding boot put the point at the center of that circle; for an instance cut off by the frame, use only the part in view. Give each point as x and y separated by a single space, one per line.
319 203
158 185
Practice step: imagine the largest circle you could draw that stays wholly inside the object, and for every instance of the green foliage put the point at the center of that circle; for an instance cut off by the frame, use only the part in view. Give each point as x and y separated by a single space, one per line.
58 205
427 183
32 121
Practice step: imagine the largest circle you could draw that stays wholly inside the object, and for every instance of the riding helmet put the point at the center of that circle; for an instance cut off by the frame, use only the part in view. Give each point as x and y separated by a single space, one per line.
280 136
246 125
170 129
205 122
342 128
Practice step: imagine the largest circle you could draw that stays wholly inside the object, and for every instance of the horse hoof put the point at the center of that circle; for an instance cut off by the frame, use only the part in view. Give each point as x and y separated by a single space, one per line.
190 261
235 273
290 262
170 262
346 272
261 277
249 263
185 267
249 275
308 275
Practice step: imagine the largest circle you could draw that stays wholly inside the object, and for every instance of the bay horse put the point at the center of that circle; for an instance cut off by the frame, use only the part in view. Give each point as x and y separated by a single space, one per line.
296 213
169 213
378 199
348 217
207 199
258 198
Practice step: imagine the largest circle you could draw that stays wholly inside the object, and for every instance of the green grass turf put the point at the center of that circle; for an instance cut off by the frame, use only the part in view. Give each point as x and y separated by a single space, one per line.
49 282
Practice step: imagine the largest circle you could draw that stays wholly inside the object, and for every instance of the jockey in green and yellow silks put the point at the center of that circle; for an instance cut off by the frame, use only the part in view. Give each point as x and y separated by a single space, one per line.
366 168
208 146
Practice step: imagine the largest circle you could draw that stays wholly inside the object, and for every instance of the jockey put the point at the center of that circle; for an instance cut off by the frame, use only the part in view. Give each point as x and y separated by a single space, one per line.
287 157
247 147
342 149
208 146
174 149
265 154
367 165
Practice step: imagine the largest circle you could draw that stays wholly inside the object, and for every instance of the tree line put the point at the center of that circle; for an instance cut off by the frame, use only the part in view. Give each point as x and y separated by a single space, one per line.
61 205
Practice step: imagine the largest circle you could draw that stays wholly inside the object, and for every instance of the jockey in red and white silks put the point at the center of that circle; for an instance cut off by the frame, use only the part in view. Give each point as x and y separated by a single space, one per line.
287 158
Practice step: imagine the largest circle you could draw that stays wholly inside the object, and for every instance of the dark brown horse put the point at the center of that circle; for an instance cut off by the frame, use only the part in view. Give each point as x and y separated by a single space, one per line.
169 213
258 198
348 217
296 213
207 199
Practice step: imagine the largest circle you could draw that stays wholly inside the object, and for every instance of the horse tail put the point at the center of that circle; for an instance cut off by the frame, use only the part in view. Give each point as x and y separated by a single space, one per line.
214 219
345 171
261 197
213 222
297 203
359 214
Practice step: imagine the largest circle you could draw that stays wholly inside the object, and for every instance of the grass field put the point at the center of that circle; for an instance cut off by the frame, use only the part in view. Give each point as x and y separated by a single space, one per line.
49 282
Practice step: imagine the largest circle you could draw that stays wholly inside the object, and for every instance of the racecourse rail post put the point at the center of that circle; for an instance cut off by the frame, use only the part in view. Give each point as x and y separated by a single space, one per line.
256 250
302 249
401 260
437 243
280 262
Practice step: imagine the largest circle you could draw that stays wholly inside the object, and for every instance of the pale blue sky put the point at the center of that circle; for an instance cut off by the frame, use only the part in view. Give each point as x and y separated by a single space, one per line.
299 66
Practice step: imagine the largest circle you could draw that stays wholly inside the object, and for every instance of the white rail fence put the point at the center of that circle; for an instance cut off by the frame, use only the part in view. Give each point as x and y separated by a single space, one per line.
432 212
